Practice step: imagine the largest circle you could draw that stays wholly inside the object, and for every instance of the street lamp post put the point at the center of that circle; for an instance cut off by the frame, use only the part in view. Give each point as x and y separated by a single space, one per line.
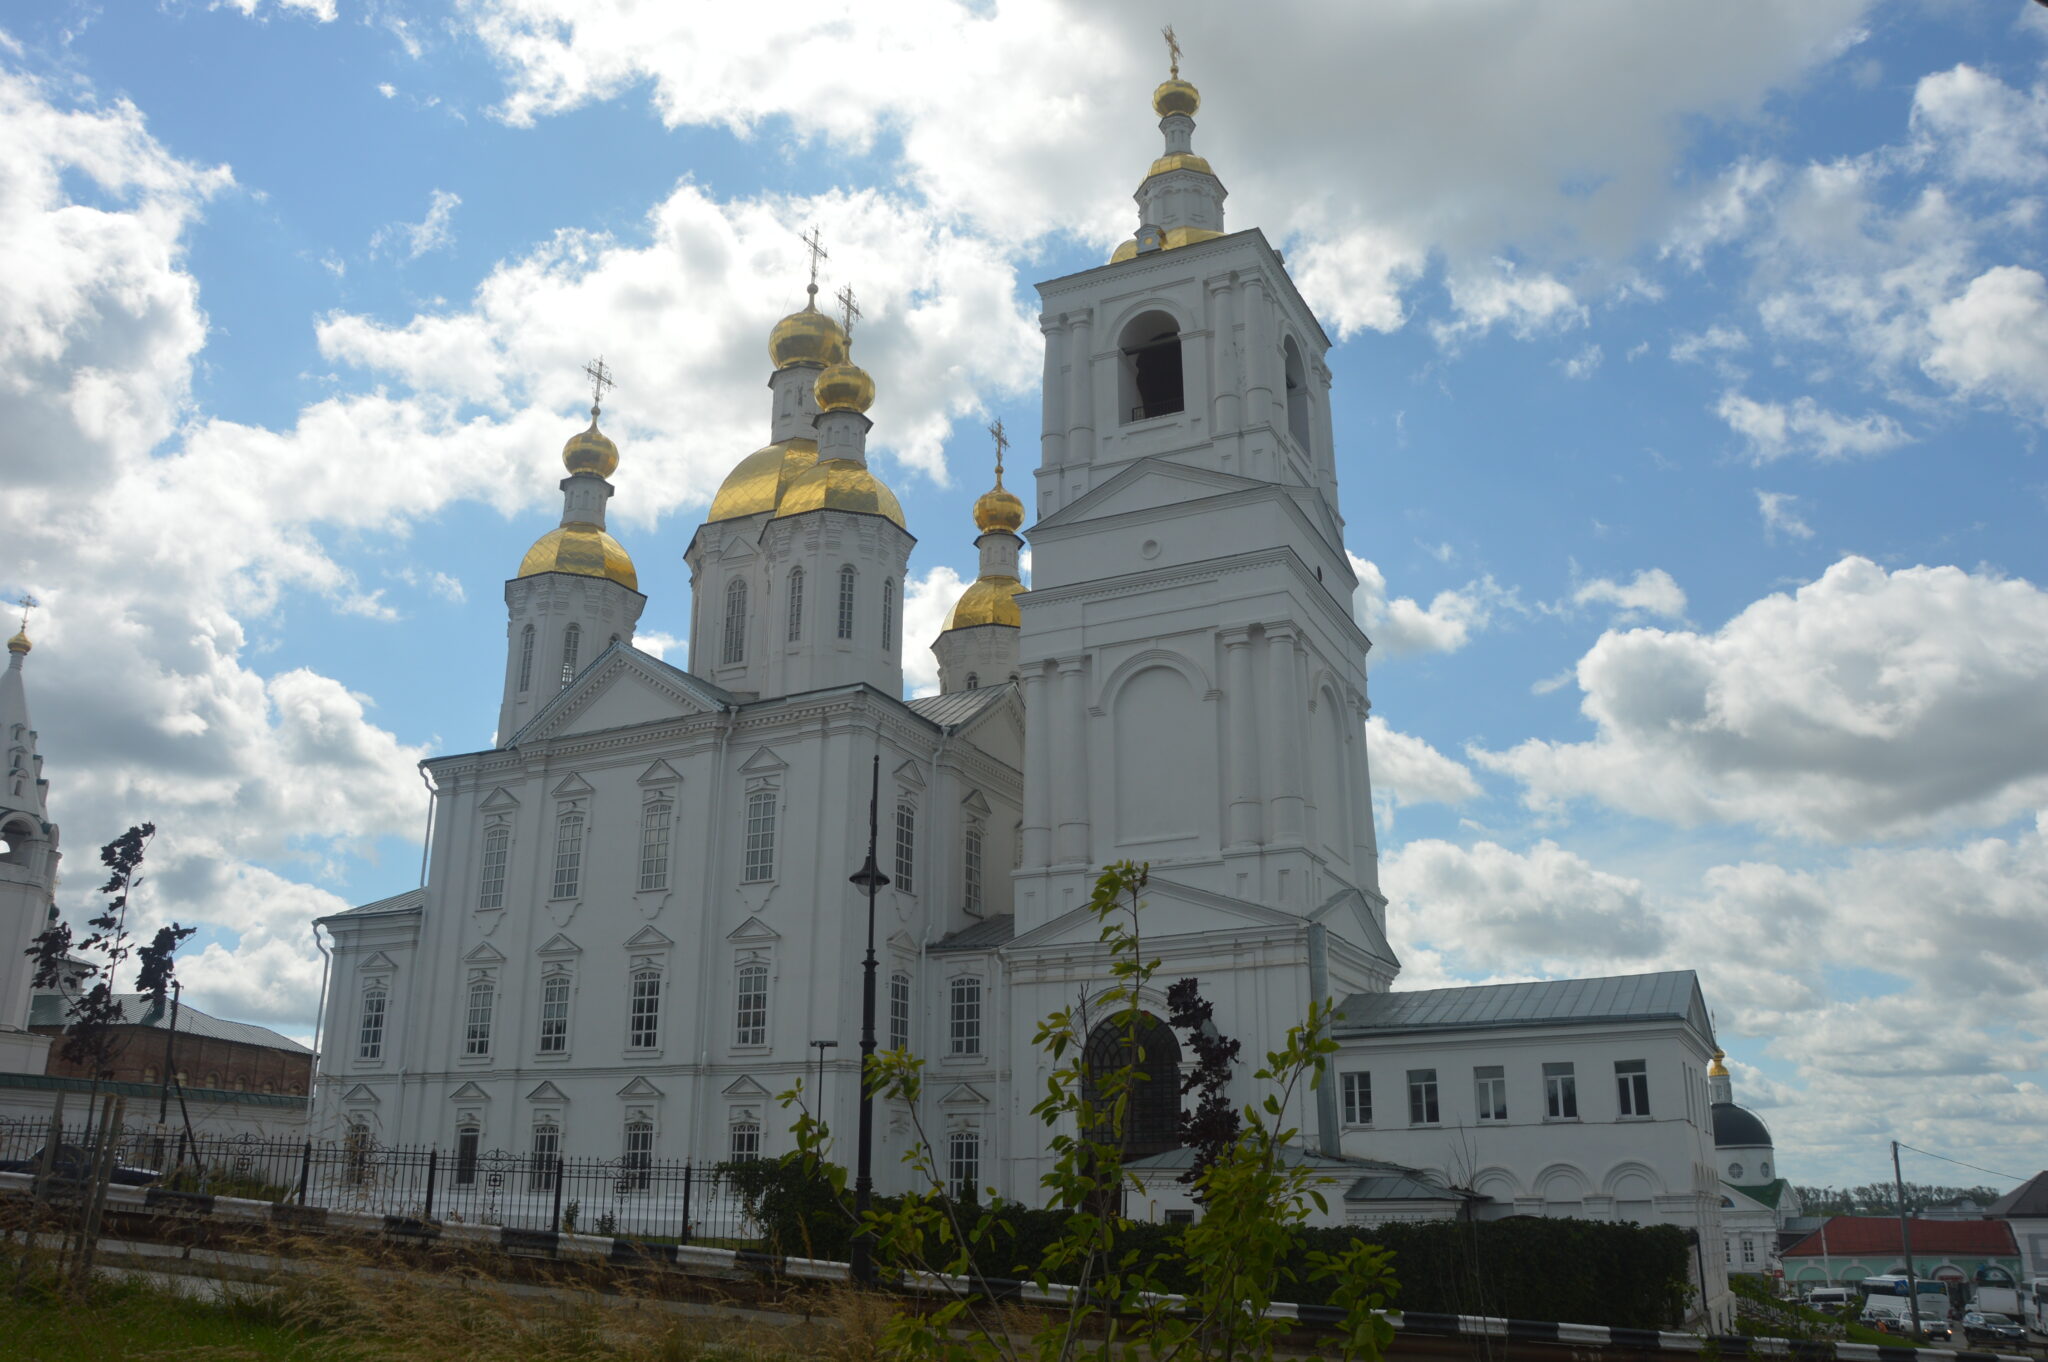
870 878
821 1046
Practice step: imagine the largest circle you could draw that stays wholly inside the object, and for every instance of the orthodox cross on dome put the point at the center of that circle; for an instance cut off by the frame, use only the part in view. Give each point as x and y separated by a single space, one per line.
1172 49
816 246
1002 443
27 603
600 379
849 312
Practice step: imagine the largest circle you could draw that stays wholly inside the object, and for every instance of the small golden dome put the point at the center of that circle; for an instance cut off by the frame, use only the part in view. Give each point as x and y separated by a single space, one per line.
584 550
841 485
591 451
1175 96
1717 1069
990 600
1175 237
1179 160
757 482
845 387
19 643
998 509
806 337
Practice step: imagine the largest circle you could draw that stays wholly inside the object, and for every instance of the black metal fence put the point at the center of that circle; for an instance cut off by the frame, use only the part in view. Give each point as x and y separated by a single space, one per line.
659 1200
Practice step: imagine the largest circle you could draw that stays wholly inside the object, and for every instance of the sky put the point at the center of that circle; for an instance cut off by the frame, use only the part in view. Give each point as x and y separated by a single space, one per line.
1691 377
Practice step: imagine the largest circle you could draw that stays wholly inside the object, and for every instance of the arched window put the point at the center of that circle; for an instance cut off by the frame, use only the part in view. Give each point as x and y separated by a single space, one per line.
572 639
963 1019
888 614
1152 1107
735 650
490 890
750 1009
796 605
525 658
1297 396
963 1165
973 681
547 1156
760 858
970 866
568 855
906 848
657 820
1150 379
846 601
370 1034
468 1139
554 1014
639 1159
746 1141
476 1022
644 1020
899 1011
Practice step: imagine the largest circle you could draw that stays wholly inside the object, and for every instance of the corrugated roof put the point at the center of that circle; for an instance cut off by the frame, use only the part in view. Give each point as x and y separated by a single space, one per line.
1547 1002
960 706
49 1009
1401 1187
410 901
1373 1179
2028 1199
1848 1235
982 936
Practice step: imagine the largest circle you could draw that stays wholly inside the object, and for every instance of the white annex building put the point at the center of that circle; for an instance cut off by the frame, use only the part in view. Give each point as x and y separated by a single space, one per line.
637 920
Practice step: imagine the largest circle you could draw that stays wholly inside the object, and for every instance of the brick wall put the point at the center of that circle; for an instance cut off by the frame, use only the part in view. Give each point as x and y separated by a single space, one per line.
137 1056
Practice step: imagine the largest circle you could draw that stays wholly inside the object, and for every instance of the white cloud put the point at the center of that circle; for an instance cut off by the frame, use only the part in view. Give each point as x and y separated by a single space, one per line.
432 233
1978 127
1774 430
927 600
1407 770
322 10
1400 625
1528 305
387 89
1582 365
1779 517
1992 340
670 648
1867 704
1650 592
1354 279
1690 348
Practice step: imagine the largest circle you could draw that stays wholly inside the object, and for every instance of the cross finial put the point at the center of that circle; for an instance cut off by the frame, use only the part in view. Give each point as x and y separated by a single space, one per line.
1172 49
816 246
600 379
27 604
849 312
1002 443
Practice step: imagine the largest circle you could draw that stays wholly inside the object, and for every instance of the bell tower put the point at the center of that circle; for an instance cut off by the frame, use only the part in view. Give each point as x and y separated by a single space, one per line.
28 860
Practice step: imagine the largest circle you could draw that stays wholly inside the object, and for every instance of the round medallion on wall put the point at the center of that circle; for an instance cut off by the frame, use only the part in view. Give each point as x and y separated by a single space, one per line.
1149 549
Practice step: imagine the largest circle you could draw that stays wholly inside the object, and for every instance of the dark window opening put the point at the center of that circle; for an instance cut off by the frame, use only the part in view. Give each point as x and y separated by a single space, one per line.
1152 1111
1297 397
1153 382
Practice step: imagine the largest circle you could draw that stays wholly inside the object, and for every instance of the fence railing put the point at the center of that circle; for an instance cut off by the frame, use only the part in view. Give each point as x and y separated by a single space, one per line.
638 1197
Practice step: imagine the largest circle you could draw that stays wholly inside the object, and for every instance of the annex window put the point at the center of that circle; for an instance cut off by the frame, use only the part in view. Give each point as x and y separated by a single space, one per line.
476 1021
963 1024
554 1014
1357 1093
745 1142
547 1156
639 1156
490 891
568 855
1748 1249
735 650
571 640
750 1010
906 847
643 1025
1422 1103
1632 1079
1560 1092
970 870
370 1036
525 658
657 821
846 580
796 605
467 1139
760 861
963 1165
899 1011
1490 1090
888 614
1150 381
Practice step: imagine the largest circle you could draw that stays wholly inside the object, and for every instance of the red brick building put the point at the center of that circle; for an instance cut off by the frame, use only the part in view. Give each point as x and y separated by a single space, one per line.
206 1053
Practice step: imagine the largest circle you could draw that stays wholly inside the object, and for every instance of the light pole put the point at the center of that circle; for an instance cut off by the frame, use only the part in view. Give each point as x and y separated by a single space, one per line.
821 1046
870 878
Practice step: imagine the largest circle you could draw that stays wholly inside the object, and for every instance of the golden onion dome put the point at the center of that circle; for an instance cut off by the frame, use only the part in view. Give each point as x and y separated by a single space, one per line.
584 550
998 509
1176 96
757 482
806 337
19 643
990 600
1717 1069
1180 160
1175 237
591 451
841 485
845 387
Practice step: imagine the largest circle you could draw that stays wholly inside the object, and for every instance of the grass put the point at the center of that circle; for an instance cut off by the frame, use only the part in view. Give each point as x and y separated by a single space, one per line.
133 1320
1776 1318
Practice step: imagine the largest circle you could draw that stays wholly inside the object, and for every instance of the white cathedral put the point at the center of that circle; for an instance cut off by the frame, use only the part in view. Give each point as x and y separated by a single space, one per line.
637 922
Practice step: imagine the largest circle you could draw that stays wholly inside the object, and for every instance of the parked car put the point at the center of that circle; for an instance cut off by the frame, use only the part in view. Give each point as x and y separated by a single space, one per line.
1935 1330
73 1163
1984 1326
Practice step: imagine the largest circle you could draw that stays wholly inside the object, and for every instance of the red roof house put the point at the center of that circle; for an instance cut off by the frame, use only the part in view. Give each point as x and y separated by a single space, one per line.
1856 1236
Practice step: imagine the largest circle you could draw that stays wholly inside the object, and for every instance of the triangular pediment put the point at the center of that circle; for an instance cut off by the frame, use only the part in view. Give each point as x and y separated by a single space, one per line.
903 943
743 1086
998 729
571 786
647 939
909 777
753 929
640 1087
976 804
376 961
963 1095
660 773
762 762
624 688
499 800
1170 910
559 945
547 1092
1349 914
469 1092
484 954
1148 485
361 1092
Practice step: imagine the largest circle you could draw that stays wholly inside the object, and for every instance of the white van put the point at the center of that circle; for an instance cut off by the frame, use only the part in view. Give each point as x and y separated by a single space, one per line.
1833 1299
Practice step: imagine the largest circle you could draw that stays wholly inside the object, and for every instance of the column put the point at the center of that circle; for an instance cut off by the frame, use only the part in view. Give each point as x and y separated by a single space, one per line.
1286 797
1052 438
1071 747
1326 444
1240 716
1259 354
1038 721
1364 836
1226 399
1081 399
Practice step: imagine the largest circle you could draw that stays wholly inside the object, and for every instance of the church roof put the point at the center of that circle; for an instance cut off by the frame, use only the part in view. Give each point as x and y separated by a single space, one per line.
1546 1002
2030 1198
960 706
50 1009
412 900
1735 1127
985 935
1373 1179
1768 1194
1851 1235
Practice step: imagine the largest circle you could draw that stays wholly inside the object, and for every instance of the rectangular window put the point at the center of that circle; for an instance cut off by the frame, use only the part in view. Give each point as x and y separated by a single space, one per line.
746 1141
476 1027
568 855
906 847
751 1006
760 863
547 1154
899 1012
1357 1099
466 1141
639 1154
1422 1105
643 1029
1632 1079
1560 1092
964 1022
1748 1250
796 604
554 1014
656 821
846 602
963 1165
970 861
370 1039
490 891
1490 1086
